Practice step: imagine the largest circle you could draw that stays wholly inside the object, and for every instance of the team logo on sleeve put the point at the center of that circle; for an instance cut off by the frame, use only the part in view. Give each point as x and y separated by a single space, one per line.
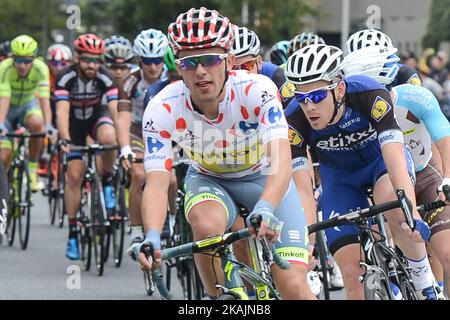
415 80
287 90
380 108
295 138
275 114
153 145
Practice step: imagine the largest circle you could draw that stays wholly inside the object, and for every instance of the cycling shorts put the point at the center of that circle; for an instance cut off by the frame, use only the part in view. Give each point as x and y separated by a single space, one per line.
345 190
246 191
428 180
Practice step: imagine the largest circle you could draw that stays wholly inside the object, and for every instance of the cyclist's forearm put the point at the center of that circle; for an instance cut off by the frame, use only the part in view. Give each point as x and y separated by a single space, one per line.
305 192
112 106
123 125
62 116
155 200
4 108
443 145
46 110
280 172
394 158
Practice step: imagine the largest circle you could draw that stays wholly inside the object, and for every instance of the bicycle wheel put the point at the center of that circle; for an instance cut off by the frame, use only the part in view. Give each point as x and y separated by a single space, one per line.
85 232
324 268
24 193
118 228
61 207
98 229
52 186
13 206
375 285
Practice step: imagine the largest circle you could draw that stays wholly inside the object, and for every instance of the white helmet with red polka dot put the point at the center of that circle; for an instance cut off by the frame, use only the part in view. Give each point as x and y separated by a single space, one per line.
200 28
59 52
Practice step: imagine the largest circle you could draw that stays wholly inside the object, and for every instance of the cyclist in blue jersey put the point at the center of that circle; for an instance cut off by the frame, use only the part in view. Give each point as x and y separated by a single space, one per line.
299 41
350 123
278 52
423 123
246 49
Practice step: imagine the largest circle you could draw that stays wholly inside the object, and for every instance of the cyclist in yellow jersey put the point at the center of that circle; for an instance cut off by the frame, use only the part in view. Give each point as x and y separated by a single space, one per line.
22 77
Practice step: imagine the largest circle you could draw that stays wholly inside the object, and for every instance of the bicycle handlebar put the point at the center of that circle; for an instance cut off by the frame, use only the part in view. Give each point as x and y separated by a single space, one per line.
93 148
402 202
25 135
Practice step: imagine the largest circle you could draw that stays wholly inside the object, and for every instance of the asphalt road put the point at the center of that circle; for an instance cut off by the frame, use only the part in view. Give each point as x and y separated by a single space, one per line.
43 272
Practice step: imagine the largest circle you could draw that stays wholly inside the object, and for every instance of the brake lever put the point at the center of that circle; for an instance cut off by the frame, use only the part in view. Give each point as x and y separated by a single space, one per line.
406 207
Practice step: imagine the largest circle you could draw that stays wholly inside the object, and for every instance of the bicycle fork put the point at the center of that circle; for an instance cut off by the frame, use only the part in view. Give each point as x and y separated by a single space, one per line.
233 282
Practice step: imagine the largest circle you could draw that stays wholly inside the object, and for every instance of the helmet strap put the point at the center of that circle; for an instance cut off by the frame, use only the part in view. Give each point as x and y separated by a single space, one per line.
337 105
225 80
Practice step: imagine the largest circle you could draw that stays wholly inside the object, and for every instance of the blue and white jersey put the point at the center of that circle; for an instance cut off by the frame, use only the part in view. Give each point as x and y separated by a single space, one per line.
355 141
421 120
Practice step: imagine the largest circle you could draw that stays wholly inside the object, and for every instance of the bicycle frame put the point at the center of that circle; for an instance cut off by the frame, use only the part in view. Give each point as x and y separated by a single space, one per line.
232 269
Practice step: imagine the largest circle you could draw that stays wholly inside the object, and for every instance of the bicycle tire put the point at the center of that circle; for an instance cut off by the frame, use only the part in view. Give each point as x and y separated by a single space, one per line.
322 252
11 223
98 230
24 204
85 233
374 286
61 183
52 185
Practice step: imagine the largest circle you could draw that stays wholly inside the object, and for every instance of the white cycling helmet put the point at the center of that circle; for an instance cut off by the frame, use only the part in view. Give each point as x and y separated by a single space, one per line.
313 63
59 52
150 43
200 28
118 49
367 38
378 63
302 40
246 42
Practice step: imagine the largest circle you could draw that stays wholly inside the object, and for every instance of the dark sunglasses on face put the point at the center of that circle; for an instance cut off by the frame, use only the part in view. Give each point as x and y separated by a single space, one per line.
148 61
85 59
60 64
206 60
20 60
315 96
249 65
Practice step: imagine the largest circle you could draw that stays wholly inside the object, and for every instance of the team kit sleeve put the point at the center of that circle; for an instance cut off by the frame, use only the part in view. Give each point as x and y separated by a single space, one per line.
298 131
427 109
125 88
62 88
377 106
158 126
44 80
5 85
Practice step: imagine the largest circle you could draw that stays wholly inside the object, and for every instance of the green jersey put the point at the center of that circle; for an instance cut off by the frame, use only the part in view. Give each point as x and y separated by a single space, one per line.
23 90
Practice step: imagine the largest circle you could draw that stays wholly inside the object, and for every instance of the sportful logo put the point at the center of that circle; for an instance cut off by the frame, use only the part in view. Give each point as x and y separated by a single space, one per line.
348 141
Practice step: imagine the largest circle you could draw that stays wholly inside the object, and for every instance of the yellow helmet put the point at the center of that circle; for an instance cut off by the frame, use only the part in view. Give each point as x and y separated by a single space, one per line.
24 46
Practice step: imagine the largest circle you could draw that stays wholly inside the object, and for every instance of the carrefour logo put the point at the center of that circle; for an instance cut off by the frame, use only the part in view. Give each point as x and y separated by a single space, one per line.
245 126
275 114
153 145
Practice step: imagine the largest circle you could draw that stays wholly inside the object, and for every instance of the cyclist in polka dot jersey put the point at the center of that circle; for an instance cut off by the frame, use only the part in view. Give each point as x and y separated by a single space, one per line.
231 124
